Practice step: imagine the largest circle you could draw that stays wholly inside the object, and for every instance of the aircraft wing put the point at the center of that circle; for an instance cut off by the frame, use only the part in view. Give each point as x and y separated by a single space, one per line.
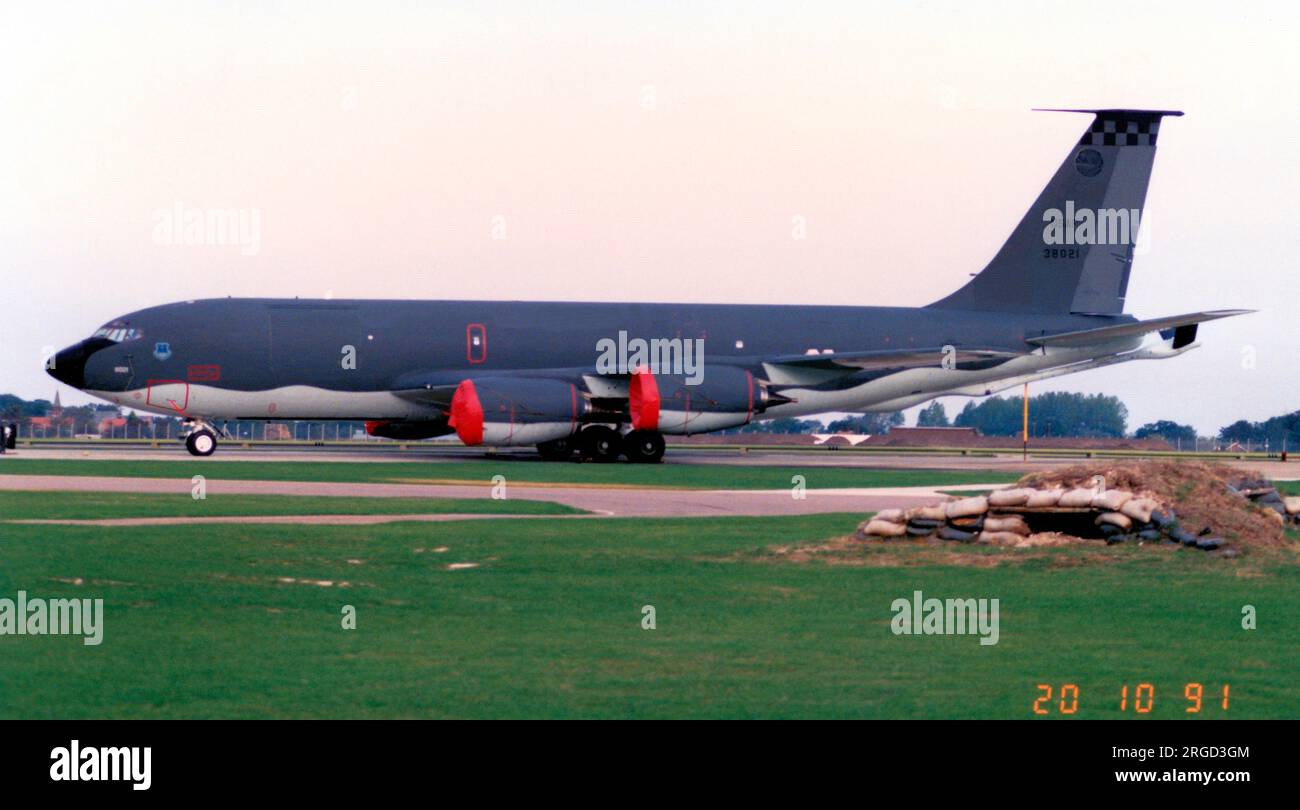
889 358
437 395
1102 334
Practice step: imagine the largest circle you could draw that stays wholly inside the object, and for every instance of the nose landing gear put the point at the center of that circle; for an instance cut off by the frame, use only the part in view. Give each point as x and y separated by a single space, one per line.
201 441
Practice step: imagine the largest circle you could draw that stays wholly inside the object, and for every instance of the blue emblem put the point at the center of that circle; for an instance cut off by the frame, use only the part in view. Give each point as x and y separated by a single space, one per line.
162 350
1088 162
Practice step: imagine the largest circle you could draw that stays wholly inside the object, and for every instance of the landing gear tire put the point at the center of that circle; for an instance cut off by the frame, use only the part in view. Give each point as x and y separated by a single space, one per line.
557 449
202 442
600 444
644 447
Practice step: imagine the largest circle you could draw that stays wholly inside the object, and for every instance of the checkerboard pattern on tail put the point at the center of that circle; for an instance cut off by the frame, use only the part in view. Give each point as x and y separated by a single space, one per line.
1122 128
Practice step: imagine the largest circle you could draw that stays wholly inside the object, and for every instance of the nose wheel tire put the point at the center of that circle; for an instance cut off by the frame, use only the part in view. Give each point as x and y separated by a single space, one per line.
557 449
599 443
201 442
644 447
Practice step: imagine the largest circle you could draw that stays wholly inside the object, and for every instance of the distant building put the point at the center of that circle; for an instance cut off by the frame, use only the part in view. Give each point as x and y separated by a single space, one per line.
107 426
53 418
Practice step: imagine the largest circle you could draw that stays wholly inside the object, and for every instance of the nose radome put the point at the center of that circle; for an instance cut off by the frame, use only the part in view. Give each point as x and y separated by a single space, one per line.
69 365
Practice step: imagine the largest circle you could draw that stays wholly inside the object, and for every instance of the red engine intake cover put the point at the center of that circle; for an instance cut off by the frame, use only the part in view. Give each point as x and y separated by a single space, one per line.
467 414
643 400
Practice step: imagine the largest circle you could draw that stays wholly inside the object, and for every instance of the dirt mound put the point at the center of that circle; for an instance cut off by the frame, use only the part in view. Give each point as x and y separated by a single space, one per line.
1202 494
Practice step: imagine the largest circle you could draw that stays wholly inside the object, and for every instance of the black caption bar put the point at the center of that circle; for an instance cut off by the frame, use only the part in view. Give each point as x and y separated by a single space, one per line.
334 759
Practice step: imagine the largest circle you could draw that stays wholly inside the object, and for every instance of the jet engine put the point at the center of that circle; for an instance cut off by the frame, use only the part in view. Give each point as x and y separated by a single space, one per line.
507 411
725 397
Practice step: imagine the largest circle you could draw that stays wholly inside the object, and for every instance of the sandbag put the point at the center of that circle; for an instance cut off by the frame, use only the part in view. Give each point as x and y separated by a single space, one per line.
966 507
935 513
1044 498
1149 535
920 531
1076 498
1164 518
1209 543
890 515
1111 499
885 528
1010 497
1292 505
1006 523
1140 509
1115 519
969 524
999 538
924 523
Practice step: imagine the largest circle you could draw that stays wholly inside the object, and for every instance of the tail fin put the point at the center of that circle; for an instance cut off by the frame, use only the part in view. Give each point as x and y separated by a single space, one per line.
1073 250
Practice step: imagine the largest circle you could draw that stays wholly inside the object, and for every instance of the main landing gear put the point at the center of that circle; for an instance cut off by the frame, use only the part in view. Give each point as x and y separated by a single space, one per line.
599 443
558 449
201 441
604 445
644 446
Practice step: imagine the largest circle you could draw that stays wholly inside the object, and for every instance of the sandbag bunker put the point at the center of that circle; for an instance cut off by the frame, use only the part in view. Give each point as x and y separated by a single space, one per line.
1265 495
1015 517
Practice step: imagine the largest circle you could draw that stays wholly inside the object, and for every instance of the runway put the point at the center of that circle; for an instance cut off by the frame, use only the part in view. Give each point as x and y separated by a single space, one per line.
432 454
363 452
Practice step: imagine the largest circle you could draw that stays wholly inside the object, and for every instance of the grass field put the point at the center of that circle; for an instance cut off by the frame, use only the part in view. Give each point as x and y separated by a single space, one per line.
98 505
238 621
695 476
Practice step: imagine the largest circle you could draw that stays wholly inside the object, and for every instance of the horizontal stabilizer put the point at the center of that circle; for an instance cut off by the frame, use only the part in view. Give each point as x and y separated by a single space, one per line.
1105 333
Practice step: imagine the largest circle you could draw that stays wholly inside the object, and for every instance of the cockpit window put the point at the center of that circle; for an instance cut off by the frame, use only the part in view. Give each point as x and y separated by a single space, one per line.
119 332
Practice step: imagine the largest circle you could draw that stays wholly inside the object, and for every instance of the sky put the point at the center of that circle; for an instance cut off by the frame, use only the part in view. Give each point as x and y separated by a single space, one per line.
640 152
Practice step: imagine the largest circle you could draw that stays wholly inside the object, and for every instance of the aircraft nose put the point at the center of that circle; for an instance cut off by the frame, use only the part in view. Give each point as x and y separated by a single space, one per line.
69 365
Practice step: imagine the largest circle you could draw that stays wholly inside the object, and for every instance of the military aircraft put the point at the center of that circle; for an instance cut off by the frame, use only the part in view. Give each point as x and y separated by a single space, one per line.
604 380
